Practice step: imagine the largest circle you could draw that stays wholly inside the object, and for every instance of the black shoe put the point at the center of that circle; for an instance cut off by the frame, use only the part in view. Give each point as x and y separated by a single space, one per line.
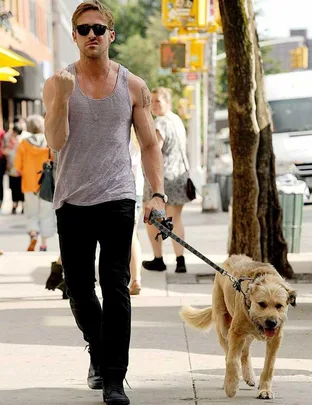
180 265
114 394
62 287
94 380
155 265
56 276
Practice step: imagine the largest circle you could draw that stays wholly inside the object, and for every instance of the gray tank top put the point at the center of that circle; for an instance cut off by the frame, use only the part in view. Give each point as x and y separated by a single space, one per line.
94 166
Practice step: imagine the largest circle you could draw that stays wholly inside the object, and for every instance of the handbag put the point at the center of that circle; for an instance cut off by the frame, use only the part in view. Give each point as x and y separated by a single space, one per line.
46 181
190 187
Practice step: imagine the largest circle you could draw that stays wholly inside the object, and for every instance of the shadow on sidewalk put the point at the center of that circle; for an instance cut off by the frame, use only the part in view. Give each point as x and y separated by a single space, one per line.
157 394
152 328
50 396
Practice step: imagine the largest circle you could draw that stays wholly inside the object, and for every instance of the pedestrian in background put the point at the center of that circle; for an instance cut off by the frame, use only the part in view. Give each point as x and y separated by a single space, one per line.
90 107
3 163
30 156
18 119
136 252
12 140
172 141
56 277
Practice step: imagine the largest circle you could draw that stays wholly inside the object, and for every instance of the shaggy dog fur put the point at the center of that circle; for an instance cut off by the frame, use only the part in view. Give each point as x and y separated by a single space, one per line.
239 319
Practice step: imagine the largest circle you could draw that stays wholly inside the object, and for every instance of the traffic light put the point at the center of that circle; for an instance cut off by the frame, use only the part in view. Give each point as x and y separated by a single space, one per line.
197 55
184 13
173 55
299 58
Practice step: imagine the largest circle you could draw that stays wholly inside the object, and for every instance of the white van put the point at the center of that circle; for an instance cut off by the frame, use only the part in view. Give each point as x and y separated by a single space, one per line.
290 99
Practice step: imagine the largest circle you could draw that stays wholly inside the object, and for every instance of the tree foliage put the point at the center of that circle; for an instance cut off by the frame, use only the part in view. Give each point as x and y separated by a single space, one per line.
139 33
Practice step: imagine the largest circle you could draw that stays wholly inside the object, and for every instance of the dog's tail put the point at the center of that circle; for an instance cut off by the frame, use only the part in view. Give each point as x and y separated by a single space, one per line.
198 318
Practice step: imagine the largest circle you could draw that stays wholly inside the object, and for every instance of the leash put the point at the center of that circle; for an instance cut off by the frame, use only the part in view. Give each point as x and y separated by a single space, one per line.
165 227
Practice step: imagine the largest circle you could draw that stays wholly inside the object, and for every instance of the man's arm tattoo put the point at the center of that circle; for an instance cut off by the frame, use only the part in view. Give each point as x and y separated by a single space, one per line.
146 97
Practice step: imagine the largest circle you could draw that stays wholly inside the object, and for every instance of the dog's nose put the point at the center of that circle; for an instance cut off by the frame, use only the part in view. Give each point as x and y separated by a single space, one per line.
270 323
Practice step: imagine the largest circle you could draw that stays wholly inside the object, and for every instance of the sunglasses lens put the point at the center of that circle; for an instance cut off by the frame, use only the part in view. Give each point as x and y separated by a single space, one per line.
99 29
83 30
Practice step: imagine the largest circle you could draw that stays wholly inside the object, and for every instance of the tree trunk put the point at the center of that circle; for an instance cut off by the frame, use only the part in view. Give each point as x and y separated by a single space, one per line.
273 244
244 131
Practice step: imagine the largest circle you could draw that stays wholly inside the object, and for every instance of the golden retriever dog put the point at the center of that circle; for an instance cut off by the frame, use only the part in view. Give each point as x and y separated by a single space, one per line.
258 313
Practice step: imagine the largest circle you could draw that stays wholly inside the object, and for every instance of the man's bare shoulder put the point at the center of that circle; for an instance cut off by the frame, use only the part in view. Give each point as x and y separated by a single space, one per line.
140 93
135 80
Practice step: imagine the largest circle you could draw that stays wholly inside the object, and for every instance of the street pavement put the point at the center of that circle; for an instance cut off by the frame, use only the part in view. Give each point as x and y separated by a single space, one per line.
42 353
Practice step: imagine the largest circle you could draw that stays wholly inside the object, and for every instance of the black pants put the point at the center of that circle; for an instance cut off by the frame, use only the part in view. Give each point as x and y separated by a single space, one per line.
16 188
2 173
106 329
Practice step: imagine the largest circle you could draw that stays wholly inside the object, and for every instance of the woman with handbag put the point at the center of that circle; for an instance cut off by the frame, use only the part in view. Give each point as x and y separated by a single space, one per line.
31 154
172 140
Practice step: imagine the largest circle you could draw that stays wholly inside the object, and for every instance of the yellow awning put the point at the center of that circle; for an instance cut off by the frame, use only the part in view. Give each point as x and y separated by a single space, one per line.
12 59
7 78
9 71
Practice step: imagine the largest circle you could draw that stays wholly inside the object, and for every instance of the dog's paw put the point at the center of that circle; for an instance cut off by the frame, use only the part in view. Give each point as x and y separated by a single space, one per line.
230 388
249 378
265 394
250 382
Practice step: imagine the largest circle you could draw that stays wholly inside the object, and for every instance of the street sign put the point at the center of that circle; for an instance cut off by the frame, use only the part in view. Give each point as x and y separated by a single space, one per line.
190 77
164 72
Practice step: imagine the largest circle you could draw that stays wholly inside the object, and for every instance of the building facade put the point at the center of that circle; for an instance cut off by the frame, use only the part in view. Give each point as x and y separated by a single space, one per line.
41 31
64 49
28 32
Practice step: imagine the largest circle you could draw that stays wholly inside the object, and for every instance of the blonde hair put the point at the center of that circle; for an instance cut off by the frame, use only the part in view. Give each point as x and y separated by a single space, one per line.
93 5
163 91
35 124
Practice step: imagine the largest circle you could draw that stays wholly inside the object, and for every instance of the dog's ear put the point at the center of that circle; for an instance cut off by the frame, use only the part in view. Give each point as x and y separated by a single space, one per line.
292 295
247 298
248 293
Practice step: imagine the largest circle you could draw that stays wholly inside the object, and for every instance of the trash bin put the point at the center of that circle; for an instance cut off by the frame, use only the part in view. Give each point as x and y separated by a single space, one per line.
291 200
226 184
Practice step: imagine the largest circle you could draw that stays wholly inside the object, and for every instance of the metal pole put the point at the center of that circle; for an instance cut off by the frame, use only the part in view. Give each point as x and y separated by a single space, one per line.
211 190
211 135
205 116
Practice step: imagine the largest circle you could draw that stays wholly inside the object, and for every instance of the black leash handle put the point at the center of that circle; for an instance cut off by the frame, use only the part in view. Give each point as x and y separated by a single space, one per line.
165 226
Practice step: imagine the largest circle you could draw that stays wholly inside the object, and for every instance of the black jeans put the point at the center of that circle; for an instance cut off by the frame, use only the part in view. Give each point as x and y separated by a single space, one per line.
106 329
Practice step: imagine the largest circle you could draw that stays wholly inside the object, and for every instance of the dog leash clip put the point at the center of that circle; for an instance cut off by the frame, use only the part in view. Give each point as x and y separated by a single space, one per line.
167 223
165 226
237 284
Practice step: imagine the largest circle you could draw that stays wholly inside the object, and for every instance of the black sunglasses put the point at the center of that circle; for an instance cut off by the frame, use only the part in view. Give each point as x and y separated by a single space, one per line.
98 29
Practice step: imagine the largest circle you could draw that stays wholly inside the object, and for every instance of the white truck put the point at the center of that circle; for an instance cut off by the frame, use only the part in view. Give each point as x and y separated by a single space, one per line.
290 99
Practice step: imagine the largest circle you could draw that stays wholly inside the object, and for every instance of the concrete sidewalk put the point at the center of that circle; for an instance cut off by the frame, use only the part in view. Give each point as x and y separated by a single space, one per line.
42 355
206 232
43 361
